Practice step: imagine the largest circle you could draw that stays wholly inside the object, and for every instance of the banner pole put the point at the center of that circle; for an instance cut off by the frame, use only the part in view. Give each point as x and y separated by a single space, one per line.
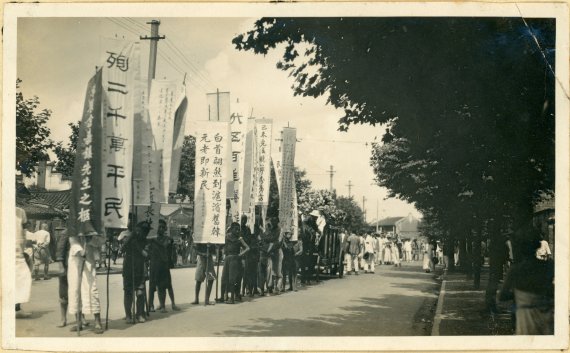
218 268
206 270
108 273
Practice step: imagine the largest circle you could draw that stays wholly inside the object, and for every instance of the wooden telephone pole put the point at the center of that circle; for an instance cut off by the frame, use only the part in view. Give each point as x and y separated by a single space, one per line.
154 38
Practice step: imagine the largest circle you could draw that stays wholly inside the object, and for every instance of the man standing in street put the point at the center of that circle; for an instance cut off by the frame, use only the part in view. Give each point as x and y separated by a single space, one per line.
353 250
369 256
204 271
160 250
41 253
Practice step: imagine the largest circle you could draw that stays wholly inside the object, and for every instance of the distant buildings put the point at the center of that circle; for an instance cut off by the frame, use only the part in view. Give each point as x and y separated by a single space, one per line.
406 227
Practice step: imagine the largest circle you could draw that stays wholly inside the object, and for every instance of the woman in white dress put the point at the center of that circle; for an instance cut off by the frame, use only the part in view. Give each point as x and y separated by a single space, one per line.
429 250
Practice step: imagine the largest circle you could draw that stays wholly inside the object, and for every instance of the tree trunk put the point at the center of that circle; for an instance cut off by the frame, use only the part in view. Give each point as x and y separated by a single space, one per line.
476 259
448 250
465 256
497 259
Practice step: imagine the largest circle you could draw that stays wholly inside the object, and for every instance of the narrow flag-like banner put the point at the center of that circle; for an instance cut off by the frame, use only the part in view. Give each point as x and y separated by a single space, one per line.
85 207
212 145
119 71
238 125
247 198
178 139
263 136
142 153
286 199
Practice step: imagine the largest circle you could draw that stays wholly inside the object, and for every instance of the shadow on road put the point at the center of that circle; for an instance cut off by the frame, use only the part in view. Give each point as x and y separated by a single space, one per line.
370 312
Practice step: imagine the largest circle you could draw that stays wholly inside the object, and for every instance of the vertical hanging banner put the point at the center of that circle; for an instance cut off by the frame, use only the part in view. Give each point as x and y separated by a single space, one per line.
294 214
212 145
178 138
238 125
276 160
85 207
142 153
286 199
247 199
161 111
219 109
263 130
119 72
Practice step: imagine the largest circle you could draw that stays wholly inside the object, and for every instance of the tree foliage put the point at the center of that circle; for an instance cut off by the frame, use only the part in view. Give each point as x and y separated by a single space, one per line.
352 217
187 168
66 154
467 103
32 134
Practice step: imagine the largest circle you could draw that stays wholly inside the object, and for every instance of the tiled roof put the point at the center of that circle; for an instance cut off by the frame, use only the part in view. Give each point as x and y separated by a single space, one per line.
390 221
57 199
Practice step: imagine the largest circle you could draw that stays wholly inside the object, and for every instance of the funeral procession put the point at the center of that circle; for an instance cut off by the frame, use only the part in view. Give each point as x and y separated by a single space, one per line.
283 176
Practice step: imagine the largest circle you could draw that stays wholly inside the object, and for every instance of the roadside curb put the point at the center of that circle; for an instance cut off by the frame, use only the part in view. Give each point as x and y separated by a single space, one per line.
439 307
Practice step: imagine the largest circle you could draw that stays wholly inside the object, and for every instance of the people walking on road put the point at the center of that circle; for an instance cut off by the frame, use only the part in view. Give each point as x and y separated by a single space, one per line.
354 251
204 271
377 252
408 250
160 252
23 280
429 253
134 273
415 250
387 255
396 254
369 254
530 282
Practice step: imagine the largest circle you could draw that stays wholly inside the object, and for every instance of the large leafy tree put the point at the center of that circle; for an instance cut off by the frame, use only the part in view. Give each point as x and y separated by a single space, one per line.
66 153
32 134
468 106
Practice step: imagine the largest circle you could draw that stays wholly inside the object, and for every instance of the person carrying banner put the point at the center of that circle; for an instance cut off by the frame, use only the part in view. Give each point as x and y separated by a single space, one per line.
160 250
232 262
204 258
134 272
251 259
83 295
276 256
291 250
264 265
308 237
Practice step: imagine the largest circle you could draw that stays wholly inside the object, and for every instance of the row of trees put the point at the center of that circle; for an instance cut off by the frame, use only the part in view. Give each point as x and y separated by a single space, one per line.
467 105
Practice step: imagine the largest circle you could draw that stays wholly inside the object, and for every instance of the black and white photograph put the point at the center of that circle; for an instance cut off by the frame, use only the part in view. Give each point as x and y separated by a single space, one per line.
285 176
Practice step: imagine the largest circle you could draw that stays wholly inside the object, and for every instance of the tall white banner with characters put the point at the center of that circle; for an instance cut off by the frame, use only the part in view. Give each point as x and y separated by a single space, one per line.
238 124
212 146
287 216
120 71
263 136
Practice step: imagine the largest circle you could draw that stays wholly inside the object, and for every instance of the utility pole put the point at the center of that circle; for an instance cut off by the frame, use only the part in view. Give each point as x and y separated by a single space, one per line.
331 173
154 38
377 220
350 185
364 207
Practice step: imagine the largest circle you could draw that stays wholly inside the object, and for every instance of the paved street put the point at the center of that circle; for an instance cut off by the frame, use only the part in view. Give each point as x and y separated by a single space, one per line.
393 301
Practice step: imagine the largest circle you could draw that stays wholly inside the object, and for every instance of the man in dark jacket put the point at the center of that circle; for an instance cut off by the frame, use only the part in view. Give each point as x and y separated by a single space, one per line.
134 272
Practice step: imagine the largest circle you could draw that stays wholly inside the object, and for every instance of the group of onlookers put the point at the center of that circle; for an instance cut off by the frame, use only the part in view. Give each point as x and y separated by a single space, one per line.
365 251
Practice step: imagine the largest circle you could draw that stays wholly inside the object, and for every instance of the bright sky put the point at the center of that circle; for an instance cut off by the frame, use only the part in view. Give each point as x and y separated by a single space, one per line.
57 56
